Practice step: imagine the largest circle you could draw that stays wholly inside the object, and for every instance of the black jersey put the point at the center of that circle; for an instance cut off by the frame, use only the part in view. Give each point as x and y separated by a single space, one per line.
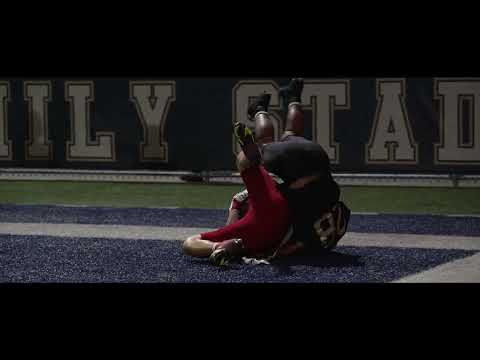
291 160
294 158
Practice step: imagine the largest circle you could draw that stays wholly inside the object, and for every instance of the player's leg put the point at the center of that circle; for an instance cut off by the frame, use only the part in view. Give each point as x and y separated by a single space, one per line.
258 112
264 133
263 227
291 99
263 195
295 120
263 202
198 247
204 244
265 224
260 185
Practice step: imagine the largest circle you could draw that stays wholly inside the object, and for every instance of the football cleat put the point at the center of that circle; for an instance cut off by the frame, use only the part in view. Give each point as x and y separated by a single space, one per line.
245 137
260 103
243 134
220 257
229 251
291 93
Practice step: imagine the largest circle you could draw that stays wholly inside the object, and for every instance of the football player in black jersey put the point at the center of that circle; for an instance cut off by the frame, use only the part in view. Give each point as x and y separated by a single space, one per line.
302 170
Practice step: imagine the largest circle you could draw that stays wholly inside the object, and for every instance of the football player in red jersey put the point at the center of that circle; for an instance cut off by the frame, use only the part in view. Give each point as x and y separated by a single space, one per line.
265 223
293 170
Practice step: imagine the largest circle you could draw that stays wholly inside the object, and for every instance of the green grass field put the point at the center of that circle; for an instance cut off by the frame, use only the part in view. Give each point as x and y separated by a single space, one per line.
360 199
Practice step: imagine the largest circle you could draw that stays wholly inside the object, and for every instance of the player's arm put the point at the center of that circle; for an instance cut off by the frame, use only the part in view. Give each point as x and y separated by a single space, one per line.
238 207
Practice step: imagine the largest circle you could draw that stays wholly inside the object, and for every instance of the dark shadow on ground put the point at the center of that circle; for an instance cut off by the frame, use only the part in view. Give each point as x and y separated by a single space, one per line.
319 260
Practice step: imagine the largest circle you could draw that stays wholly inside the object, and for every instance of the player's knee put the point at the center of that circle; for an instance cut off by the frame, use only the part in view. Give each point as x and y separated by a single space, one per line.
188 245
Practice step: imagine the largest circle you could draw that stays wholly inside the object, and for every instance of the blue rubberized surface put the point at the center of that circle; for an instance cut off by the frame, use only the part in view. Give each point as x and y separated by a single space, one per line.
26 259
384 223
40 259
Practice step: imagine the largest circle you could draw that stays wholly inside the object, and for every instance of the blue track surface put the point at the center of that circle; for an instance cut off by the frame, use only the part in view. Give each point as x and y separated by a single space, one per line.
54 259
387 223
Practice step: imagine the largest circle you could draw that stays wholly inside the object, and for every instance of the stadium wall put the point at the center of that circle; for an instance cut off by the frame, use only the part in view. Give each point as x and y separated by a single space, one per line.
367 125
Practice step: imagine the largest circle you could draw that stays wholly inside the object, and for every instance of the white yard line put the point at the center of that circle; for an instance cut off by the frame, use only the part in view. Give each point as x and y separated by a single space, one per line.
132 232
411 241
137 232
458 271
